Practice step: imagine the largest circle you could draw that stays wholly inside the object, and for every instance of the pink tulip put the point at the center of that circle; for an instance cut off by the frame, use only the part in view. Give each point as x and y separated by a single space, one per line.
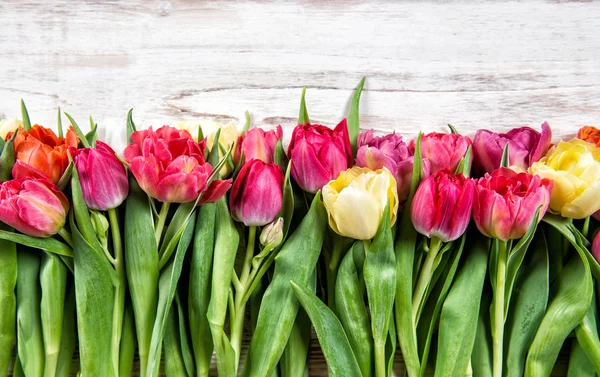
444 151
257 193
33 206
442 205
319 154
525 146
170 167
258 144
506 202
390 151
102 175
596 247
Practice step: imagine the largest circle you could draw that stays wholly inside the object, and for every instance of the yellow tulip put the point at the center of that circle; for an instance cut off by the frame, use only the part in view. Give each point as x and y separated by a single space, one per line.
356 200
575 168
9 125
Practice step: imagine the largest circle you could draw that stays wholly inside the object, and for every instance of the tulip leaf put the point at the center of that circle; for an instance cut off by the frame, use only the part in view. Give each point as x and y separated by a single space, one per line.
248 121
2 143
334 343
174 231
296 261
452 129
303 116
78 132
186 346
47 244
68 337
460 312
504 162
280 158
167 284
200 286
66 177
579 363
59 123
351 310
587 335
8 282
464 166
131 125
7 159
354 118
128 343
572 300
92 136
174 364
213 154
481 357
528 305
25 116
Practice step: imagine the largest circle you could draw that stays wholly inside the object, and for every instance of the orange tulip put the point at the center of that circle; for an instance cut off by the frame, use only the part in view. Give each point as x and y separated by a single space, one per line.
40 151
589 134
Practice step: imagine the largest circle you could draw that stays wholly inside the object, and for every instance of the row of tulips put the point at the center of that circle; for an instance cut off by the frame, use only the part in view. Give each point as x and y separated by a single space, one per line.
201 235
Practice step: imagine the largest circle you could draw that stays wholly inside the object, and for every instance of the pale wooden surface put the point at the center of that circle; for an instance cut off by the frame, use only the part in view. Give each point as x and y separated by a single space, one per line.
475 65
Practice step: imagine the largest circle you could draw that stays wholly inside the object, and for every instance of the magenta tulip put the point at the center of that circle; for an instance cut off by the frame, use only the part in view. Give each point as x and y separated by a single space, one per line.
444 151
319 154
442 205
506 203
170 167
33 206
102 175
390 151
596 247
257 193
258 144
525 146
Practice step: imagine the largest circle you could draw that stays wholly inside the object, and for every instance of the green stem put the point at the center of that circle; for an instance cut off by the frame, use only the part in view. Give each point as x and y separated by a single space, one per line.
425 278
586 227
332 263
119 304
249 255
380 359
66 236
160 222
498 334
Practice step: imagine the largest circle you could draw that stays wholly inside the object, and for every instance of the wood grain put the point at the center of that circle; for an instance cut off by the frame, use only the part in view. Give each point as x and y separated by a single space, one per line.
472 64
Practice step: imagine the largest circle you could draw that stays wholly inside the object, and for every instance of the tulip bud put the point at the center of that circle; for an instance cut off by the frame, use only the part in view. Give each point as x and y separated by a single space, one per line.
33 206
442 205
272 234
100 225
444 151
319 154
258 144
103 178
257 193
506 202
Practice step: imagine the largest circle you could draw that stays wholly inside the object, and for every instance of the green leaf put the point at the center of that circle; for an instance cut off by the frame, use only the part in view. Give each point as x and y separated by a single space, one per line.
280 158
464 166
579 363
587 335
354 118
504 162
128 343
334 343
59 124
174 231
213 154
130 125
30 344
174 364
200 287
65 179
79 132
452 129
303 116
352 311
48 244
279 305
2 143
8 282
141 265
7 159
481 358
248 121
460 312
25 116
92 136
528 305
186 347
69 334
167 285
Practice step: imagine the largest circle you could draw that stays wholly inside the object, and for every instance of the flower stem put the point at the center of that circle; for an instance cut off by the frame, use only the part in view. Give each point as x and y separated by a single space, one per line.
66 236
498 334
249 255
160 222
332 262
424 279
119 304
380 359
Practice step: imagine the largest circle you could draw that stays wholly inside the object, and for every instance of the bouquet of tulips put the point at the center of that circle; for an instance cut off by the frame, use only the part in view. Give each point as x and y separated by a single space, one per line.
470 257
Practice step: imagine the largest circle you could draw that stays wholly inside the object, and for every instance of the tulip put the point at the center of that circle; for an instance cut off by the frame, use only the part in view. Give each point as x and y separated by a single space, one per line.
525 146
319 154
575 168
506 203
356 200
442 205
257 193
444 151
272 234
391 152
258 144
33 206
170 167
8 126
40 151
103 178
596 247
589 134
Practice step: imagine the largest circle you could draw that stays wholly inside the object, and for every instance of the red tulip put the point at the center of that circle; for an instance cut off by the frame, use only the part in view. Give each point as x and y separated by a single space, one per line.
525 146
442 205
596 247
257 193
258 144
319 154
102 175
390 151
506 202
170 167
33 206
444 151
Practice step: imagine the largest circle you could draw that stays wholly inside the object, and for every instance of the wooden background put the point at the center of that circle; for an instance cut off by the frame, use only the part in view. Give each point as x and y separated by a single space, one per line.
473 64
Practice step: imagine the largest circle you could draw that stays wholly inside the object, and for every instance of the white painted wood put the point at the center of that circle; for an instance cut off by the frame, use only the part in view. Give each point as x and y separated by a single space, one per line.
473 64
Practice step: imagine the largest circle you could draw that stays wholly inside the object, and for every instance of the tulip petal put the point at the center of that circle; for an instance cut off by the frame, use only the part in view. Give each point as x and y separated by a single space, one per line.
307 169
215 191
